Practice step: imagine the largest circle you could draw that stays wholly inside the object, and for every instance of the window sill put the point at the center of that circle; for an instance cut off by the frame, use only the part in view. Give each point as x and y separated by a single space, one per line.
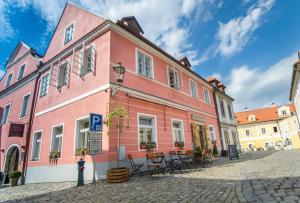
144 76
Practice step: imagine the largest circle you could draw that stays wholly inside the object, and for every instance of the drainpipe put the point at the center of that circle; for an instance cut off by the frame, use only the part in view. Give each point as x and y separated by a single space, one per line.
30 122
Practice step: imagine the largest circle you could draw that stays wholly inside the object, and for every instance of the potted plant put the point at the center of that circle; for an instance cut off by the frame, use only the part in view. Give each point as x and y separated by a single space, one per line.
179 144
14 178
151 146
118 174
81 152
215 151
143 145
197 154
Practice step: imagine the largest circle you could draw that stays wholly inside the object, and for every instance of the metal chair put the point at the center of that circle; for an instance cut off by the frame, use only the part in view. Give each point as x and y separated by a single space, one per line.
136 168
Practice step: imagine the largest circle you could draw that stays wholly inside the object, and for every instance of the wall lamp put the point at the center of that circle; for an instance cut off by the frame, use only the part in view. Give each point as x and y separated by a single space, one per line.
119 71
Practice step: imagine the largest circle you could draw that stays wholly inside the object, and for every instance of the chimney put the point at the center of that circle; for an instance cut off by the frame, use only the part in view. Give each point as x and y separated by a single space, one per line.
246 109
273 104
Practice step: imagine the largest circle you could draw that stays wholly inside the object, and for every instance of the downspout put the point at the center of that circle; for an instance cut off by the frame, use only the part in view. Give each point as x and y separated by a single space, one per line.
218 118
28 133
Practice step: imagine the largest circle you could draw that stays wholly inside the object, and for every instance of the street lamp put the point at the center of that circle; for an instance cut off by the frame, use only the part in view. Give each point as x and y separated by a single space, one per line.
119 71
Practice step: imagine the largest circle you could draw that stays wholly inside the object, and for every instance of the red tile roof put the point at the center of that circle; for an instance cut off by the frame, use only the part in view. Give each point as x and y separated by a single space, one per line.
261 115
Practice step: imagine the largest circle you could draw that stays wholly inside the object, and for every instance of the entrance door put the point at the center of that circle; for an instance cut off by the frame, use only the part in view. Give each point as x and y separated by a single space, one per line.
199 136
11 161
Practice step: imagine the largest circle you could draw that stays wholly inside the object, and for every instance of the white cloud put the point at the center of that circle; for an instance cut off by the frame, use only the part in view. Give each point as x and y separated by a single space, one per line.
217 75
253 87
6 30
234 35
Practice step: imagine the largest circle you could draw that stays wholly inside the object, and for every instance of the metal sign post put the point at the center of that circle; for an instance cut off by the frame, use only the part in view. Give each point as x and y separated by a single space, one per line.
95 138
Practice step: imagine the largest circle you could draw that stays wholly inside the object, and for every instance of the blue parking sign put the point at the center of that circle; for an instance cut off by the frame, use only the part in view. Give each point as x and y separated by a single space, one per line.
95 122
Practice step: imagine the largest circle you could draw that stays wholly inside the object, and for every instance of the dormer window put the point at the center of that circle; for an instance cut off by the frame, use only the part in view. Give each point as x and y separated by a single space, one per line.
252 118
69 33
21 72
173 78
8 81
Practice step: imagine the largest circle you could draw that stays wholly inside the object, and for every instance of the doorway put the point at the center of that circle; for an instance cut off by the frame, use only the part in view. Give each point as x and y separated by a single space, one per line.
11 162
199 136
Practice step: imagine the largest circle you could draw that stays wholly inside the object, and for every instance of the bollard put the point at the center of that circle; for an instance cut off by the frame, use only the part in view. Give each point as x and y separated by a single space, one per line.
80 180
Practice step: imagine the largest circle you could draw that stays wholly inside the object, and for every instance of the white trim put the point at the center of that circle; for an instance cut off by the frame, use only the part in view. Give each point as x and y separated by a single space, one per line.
11 81
33 137
150 49
62 138
7 119
136 63
23 104
182 129
138 127
82 96
75 131
205 89
64 38
18 78
40 89
5 154
168 76
196 86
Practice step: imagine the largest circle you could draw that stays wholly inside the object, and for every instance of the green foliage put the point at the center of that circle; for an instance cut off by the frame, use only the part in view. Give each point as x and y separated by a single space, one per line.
15 174
151 146
118 112
197 152
215 150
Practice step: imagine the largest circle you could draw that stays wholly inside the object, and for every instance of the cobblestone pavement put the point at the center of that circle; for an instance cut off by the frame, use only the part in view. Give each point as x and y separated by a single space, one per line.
265 176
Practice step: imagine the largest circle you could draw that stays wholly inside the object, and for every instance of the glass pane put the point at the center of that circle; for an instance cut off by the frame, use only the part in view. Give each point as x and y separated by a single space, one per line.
141 134
150 137
148 66
140 63
145 121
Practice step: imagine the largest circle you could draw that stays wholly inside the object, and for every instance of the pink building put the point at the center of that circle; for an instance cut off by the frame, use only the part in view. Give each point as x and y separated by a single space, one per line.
166 101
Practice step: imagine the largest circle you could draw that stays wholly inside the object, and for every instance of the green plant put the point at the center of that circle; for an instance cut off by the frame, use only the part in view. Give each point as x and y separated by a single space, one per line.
197 152
151 146
118 112
15 174
54 155
81 152
215 150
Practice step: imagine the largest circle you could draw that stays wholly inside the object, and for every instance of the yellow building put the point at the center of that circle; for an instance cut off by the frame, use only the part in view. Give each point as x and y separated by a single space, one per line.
275 127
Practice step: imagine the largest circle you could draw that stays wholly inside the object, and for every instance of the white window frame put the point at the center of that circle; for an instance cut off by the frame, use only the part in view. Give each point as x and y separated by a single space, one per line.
66 77
47 85
33 142
65 31
196 87
7 118
12 75
20 116
182 130
154 128
263 130
208 94
178 78
62 138
137 63
222 104
214 132
18 78
81 65
76 135
248 132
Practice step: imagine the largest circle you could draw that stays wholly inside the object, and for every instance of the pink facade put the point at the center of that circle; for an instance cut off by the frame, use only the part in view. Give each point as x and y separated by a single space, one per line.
65 107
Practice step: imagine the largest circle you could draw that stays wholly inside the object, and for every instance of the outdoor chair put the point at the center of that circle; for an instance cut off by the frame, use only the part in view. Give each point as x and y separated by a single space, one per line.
153 164
174 163
206 159
186 158
136 168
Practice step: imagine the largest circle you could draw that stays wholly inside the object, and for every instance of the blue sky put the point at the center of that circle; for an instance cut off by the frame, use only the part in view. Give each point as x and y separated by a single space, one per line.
249 44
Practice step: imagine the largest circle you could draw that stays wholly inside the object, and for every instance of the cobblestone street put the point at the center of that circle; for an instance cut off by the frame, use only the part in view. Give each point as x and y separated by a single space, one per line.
265 176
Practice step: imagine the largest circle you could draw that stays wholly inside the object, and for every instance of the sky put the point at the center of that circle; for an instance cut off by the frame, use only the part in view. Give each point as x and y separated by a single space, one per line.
250 45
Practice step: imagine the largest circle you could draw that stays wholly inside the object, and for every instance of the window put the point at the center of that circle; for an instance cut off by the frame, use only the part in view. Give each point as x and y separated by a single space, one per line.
177 127
25 105
8 81
263 131
275 129
234 138
144 64
5 114
62 75
21 72
212 133
222 108
283 112
206 96
173 78
82 134
87 63
44 85
193 89
147 132
229 112
56 144
69 33
247 132
36 146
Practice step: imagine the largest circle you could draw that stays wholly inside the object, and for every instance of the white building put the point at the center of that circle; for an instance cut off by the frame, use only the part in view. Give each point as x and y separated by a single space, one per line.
229 135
